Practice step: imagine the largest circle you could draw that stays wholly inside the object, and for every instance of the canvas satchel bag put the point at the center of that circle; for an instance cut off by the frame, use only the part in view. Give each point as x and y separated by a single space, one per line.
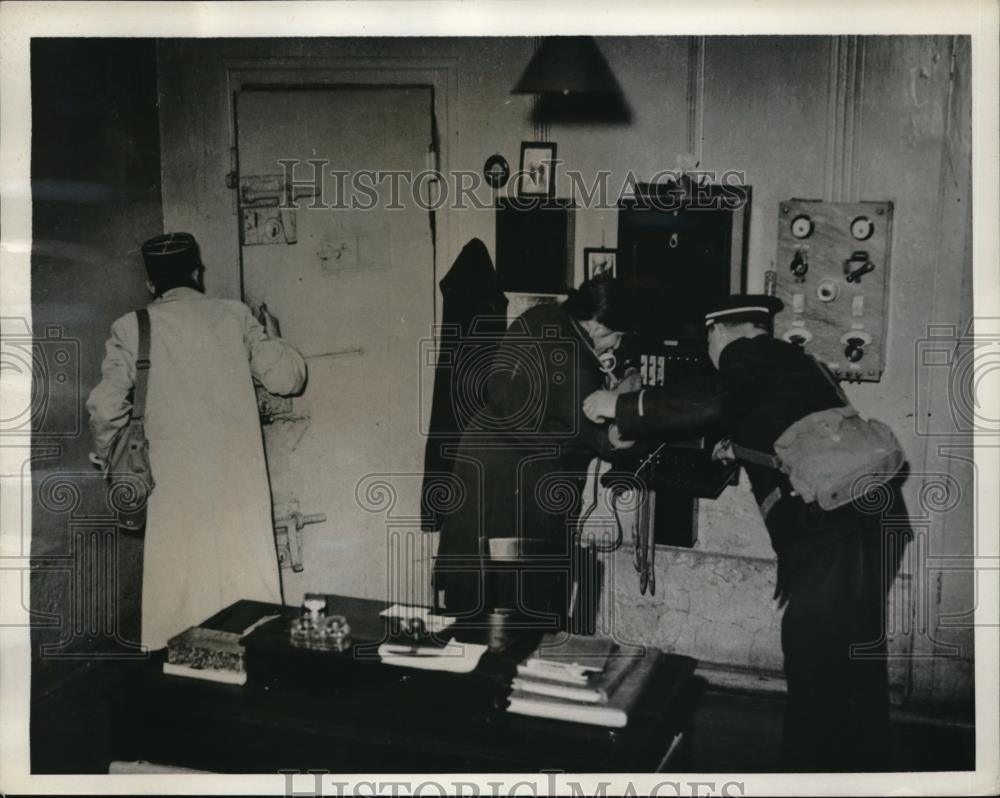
130 478
833 456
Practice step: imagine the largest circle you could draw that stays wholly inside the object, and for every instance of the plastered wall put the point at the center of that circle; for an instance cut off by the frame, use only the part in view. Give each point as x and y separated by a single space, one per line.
837 118
96 196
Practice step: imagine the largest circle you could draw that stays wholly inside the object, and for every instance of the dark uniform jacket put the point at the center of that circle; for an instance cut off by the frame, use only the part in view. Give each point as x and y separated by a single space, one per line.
763 386
834 567
523 459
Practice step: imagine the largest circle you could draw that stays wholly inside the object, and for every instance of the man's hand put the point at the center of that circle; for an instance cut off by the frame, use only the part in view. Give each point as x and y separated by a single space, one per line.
723 451
632 381
616 439
98 462
600 405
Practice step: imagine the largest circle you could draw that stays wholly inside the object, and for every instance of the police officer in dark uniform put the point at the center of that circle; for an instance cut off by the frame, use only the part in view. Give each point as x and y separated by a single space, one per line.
833 570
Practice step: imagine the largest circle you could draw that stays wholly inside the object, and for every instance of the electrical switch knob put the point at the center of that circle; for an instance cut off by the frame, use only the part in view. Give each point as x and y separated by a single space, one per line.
797 335
858 266
855 349
800 264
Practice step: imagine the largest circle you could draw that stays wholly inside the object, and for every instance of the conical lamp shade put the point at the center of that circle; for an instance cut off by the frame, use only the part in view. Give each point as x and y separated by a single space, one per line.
567 65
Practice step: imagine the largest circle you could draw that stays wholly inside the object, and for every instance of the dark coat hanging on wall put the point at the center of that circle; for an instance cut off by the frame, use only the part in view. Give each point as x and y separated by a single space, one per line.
474 318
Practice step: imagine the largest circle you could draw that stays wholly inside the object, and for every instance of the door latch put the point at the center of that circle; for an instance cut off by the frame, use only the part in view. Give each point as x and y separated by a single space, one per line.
288 528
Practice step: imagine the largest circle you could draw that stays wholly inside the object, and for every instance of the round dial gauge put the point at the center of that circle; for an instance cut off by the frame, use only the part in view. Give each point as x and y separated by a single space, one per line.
802 226
862 228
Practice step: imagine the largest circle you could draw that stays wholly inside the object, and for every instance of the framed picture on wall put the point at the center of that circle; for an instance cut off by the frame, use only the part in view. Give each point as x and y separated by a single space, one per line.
537 175
599 261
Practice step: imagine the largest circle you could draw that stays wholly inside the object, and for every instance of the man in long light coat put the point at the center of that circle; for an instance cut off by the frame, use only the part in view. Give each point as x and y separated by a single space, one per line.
209 540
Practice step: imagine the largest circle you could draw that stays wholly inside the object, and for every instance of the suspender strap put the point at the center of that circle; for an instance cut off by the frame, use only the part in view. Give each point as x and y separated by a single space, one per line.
768 460
755 457
770 500
141 367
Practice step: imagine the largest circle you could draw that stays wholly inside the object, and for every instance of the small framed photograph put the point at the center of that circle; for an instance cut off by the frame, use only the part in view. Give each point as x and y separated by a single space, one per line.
537 175
598 262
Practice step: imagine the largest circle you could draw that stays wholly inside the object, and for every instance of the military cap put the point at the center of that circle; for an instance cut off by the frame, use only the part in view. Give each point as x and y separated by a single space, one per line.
171 255
742 307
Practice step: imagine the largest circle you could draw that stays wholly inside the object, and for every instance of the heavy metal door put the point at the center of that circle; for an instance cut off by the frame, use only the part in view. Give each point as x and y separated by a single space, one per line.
353 287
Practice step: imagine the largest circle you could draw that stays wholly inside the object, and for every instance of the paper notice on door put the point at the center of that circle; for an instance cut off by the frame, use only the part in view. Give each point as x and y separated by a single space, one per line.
361 249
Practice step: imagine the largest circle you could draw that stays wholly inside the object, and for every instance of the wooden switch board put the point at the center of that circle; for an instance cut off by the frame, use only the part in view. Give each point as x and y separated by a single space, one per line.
832 273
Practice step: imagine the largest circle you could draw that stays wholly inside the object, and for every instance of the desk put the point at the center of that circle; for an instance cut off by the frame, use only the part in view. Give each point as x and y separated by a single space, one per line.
386 722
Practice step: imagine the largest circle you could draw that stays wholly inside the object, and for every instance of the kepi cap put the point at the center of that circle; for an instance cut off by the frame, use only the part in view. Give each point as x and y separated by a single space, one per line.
743 307
171 255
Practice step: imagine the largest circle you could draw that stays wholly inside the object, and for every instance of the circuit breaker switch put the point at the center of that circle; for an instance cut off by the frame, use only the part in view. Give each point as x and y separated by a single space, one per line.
798 303
858 306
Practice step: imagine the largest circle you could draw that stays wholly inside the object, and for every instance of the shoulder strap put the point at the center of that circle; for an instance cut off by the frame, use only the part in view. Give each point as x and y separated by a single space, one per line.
770 460
141 366
837 387
756 457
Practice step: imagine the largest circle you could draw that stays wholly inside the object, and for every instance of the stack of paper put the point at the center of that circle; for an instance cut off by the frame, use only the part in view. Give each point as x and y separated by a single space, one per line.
454 657
574 651
581 679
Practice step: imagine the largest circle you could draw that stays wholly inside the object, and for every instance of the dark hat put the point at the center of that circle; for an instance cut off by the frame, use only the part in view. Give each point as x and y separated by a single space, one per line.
742 307
171 255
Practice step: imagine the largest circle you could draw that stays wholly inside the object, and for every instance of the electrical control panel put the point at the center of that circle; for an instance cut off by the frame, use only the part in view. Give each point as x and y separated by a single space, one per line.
655 366
681 466
832 273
